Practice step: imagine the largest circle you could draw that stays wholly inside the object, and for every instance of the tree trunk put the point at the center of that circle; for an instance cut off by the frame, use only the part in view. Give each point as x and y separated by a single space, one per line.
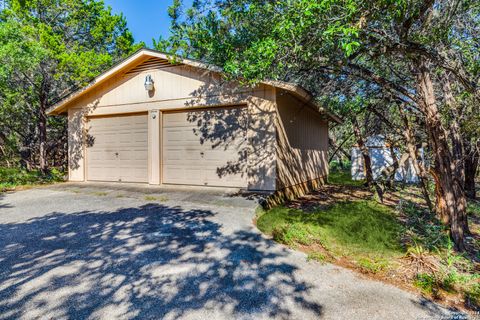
394 168
417 164
455 133
458 150
367 162
441 208
471 166
42 135
450 187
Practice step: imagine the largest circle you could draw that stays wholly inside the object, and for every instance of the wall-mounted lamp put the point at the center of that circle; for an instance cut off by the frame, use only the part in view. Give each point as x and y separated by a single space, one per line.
148 83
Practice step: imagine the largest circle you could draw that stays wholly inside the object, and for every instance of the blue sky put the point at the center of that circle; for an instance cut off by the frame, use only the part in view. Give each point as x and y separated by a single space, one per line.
147 19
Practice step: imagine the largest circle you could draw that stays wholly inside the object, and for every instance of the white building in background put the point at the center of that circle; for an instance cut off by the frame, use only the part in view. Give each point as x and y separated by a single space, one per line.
382 159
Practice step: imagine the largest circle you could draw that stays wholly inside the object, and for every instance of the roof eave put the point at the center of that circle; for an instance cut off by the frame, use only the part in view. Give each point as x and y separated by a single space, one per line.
305 96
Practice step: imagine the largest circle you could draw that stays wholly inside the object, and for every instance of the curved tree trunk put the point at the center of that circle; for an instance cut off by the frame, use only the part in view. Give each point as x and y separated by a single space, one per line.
450 187
367 161
441 208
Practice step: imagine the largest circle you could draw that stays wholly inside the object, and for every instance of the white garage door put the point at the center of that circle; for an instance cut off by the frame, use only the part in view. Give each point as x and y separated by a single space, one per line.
117 148
205 147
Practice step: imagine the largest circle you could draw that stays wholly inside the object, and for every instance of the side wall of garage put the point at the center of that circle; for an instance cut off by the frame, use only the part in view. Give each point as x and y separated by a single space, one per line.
177 88
302 146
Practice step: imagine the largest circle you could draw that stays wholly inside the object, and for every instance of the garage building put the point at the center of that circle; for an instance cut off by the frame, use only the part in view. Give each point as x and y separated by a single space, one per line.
151 120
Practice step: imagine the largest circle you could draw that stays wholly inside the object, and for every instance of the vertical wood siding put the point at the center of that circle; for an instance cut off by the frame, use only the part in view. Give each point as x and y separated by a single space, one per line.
302 142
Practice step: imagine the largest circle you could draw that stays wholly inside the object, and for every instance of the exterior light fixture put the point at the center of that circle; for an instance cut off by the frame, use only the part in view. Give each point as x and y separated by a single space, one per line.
148 83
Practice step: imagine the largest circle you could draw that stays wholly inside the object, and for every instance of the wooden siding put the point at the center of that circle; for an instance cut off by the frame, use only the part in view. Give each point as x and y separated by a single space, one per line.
302 142
175 87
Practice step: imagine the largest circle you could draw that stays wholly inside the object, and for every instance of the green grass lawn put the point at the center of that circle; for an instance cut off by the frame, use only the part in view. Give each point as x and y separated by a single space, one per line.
358 229
337 177
11 178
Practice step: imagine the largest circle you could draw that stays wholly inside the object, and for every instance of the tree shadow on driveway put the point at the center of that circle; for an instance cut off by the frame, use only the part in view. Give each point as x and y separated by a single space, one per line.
152 261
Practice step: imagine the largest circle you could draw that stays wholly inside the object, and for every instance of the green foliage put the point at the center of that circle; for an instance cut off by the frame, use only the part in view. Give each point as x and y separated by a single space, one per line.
361 57
317 256
335 166
10 178
452 273
362 227
377 240
472 295
265 39
427 282
473 208
372 265
456 271
422 228
451 281
48 49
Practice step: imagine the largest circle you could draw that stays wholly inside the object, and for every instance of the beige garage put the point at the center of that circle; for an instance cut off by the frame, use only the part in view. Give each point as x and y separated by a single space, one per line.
117 148
151 120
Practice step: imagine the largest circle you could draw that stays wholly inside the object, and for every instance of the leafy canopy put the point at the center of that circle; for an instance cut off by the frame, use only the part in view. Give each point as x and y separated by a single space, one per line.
47 49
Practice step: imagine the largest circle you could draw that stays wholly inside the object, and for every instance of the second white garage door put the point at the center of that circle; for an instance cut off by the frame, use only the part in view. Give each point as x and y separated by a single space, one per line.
205 147
117 148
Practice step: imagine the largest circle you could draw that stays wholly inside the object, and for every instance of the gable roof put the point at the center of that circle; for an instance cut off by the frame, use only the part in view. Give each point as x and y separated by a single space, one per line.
143 59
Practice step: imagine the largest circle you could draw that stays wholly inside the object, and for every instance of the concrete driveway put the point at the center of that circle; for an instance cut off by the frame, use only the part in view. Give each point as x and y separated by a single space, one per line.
78 251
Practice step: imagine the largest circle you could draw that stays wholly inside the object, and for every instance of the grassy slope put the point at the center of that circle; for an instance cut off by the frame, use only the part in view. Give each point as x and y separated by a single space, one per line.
379 240
346 228
356 228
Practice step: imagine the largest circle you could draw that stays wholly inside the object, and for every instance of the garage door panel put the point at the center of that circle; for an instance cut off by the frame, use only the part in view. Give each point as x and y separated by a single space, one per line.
133 174
184 137
182 157
119 149
103 173
182 175
132 157
101 158
223 155
205 147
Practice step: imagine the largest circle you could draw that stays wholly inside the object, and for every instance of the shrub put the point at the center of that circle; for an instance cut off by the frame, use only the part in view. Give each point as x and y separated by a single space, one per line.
13 177
422 228
427 282
472 296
